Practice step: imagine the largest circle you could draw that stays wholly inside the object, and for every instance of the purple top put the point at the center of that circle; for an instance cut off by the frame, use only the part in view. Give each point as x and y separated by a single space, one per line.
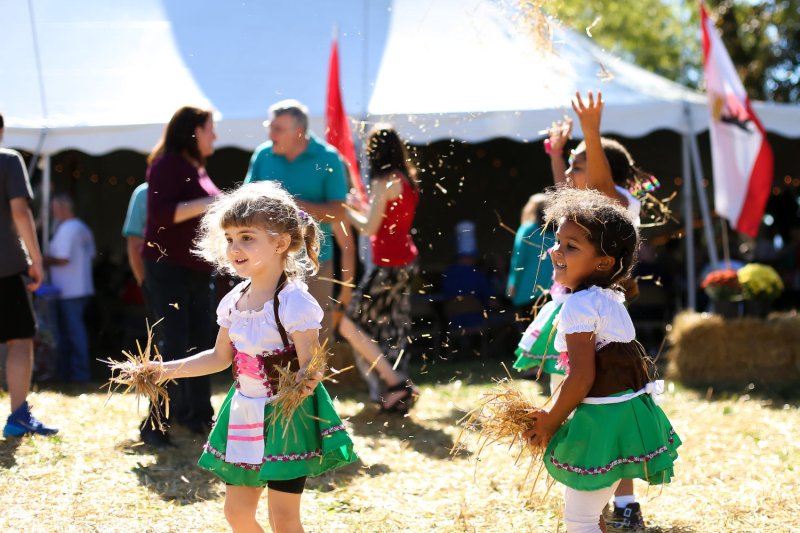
172 180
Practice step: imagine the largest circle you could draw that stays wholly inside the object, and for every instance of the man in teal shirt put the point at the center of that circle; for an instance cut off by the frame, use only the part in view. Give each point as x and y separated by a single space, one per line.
314 173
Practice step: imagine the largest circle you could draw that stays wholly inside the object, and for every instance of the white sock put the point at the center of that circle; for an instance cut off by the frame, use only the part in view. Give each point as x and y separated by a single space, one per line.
623 501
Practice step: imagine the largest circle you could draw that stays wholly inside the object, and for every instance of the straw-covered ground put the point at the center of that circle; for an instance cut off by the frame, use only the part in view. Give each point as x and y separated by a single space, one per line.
737 471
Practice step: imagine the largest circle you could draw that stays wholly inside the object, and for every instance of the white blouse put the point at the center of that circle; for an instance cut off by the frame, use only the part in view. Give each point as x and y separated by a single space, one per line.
255 332
595 310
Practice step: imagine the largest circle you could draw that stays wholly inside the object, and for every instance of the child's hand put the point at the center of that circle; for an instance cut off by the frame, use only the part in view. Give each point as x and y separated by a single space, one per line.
309 383
156 368
356 202
589 114
544 426
558 135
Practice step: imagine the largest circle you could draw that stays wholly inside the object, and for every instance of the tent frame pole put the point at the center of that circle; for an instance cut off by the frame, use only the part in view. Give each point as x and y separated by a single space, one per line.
45 204
688 220
702 196
37 153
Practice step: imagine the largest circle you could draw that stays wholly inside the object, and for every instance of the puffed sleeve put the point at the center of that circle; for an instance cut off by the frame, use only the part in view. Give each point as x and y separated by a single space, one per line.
225 306
299 310
579 314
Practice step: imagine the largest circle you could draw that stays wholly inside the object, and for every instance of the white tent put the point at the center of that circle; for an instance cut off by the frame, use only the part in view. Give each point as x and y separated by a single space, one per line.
98 76
471 70
480 75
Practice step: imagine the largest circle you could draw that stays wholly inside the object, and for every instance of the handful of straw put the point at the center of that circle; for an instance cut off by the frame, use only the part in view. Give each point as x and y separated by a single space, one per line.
291 391
138 372
501 417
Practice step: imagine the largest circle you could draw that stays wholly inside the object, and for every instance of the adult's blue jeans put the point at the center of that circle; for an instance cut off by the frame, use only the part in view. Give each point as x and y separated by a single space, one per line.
71 337
184 299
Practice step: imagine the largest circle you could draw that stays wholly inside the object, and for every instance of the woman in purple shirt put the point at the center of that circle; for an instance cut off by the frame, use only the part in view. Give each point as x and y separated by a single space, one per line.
179 283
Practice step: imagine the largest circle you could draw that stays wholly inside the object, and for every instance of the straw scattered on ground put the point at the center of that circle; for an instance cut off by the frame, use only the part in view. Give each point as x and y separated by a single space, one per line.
737 469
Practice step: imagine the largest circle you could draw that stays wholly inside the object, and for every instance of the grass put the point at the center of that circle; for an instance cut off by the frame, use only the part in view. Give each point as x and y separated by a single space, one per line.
737 471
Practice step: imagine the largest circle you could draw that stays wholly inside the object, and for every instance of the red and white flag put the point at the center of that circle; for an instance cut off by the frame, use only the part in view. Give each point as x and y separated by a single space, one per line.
337 132
740 154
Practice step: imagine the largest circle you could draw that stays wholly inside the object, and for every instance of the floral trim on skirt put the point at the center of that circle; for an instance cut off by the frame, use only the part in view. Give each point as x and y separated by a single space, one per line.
605 443
315 442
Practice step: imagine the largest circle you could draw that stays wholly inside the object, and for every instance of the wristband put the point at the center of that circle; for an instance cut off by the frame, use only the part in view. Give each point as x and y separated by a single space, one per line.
549 150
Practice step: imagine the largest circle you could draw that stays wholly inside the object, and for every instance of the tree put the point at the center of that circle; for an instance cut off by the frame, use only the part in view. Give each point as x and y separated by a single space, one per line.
663 36
763 39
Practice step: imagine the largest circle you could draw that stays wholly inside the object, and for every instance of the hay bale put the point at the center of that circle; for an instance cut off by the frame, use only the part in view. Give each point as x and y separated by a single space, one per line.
707 350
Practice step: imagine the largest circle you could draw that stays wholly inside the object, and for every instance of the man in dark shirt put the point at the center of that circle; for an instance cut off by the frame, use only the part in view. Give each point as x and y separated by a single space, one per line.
20 272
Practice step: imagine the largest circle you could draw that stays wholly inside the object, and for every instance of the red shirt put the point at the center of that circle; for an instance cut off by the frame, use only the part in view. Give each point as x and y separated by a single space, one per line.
392 245
172 180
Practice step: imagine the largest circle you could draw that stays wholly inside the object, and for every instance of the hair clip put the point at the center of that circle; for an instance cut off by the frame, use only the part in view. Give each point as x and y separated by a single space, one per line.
571 158
303 215
644 186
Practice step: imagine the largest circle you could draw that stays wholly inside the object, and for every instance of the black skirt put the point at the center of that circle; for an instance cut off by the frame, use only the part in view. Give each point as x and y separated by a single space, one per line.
381 306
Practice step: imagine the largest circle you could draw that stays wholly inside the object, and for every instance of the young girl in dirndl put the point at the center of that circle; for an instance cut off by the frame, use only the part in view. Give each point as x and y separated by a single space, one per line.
617 430
605 165
268 320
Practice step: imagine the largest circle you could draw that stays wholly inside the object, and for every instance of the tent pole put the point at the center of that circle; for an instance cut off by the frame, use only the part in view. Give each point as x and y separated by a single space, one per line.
36 154
365 78
688 219
708 224
46 204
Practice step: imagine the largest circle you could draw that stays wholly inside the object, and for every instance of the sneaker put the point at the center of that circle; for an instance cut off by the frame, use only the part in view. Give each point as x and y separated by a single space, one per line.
625 519
22 422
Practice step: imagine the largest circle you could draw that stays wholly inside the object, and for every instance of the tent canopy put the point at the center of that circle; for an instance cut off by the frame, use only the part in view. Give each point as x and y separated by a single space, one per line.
99 76
113 73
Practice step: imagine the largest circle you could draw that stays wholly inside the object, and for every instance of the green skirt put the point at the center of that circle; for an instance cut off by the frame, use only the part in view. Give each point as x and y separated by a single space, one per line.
537 345
605 443
314 442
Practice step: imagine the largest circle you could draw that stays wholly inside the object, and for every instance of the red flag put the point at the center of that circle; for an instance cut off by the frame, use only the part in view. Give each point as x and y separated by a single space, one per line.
741 156
337 132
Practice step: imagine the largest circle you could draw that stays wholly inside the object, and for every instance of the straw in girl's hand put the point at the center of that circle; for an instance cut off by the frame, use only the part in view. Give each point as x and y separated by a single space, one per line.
501 417
141 372
292 385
